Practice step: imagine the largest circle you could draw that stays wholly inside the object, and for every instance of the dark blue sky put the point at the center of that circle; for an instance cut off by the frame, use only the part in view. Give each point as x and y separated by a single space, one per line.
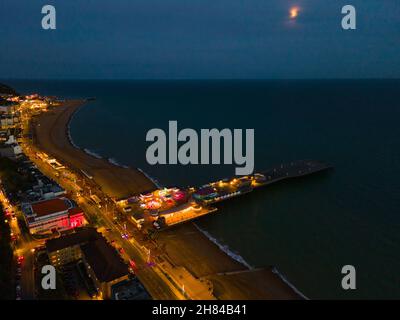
199 39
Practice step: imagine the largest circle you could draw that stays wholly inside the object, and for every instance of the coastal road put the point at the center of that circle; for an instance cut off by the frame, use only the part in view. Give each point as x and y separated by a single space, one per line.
23 246
152 279
26 247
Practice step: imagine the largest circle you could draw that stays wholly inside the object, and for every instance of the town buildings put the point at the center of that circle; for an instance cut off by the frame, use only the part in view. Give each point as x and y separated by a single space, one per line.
58 214
103 264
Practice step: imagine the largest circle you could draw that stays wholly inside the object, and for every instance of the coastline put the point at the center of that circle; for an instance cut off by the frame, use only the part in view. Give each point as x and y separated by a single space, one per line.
52 136
185 245
224 248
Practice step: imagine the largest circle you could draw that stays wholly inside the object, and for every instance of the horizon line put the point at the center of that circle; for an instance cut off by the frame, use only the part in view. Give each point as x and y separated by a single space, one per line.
197 79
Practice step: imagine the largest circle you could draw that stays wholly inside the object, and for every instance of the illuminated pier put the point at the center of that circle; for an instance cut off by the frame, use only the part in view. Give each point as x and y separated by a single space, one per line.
171 206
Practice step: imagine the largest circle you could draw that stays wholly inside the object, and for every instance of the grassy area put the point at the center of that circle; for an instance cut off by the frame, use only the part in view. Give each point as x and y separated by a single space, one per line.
7 291
7 89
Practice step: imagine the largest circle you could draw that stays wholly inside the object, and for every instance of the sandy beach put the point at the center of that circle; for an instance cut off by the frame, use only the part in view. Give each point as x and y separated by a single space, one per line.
184 245
52 137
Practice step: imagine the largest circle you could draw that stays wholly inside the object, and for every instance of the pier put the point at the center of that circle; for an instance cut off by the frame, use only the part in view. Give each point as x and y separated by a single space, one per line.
233 187
167 207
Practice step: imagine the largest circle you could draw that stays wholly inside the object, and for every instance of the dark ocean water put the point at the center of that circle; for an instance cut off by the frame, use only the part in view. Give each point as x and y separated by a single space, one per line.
308 228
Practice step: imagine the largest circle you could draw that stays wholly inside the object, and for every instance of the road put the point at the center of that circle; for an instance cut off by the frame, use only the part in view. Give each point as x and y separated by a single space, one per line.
152 278
148 275
23 247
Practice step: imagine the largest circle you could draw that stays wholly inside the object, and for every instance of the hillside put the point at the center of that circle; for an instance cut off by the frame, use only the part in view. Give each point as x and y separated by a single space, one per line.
4 89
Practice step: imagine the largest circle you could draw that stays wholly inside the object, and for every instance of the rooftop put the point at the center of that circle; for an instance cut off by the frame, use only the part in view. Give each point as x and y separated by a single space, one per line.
75 210
129 290
205 191
104 260
46 207
81 236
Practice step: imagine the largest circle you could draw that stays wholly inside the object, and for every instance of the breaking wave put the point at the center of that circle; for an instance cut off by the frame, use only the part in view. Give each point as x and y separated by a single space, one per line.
224 248
155 181
280 275
93 154
116 163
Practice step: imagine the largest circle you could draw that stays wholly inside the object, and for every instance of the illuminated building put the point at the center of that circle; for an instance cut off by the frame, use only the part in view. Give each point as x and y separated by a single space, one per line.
205 193
138 219
11 151
67 248
102 262
104 266
55 214
7 106
163 199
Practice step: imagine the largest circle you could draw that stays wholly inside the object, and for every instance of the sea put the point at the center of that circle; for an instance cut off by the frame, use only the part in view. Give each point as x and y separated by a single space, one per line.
308 228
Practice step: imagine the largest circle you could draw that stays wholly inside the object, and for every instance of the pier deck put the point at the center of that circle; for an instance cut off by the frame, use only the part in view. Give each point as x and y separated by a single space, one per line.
294 169
201 199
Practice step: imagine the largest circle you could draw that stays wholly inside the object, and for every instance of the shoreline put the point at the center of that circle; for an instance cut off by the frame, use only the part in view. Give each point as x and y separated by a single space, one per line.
52 135
98 156
186 245
223 247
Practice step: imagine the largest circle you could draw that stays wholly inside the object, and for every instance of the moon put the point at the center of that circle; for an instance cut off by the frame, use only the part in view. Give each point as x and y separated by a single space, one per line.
294 12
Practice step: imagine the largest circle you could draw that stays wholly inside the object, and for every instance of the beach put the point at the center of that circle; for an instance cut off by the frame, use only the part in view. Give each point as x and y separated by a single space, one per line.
184 245
51 133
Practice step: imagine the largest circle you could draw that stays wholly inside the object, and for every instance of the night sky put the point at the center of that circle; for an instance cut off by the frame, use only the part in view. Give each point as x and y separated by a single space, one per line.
168 39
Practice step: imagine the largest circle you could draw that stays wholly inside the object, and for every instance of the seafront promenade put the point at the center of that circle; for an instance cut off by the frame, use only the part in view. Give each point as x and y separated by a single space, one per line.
184 247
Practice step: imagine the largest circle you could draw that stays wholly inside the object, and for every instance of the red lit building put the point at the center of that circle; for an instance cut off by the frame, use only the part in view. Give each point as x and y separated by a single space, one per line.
54 214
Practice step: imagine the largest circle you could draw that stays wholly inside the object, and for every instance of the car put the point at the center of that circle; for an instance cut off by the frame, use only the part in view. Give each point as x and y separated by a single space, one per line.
156 225
132 263
125 236
20 259
18 288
